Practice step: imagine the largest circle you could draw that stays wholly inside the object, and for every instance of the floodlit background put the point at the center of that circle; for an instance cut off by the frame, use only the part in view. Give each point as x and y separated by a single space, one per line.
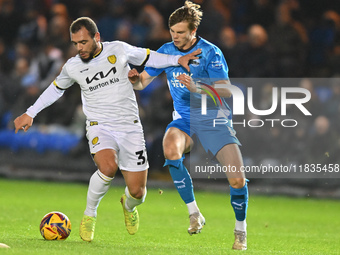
259 38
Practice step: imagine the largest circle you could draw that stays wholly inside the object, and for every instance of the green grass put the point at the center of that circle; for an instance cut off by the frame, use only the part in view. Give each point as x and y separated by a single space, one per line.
276 225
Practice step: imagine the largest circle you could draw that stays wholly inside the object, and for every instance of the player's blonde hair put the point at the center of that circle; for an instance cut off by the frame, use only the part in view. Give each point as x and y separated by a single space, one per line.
189 12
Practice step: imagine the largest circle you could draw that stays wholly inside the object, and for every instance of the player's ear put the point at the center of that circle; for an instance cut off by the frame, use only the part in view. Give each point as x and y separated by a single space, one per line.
193 32
97 37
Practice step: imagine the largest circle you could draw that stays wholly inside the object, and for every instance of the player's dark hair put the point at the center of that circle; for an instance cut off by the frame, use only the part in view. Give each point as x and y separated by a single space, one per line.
86 22
189 12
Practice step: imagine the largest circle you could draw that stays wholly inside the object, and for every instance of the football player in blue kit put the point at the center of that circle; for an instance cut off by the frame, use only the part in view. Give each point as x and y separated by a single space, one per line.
208 75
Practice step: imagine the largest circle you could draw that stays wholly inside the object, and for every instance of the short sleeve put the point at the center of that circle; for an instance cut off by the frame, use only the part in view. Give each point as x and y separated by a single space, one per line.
63 80
216 65
135 55
156 71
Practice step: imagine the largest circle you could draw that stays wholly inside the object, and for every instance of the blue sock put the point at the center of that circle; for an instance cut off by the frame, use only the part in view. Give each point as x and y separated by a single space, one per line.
181 179
239 201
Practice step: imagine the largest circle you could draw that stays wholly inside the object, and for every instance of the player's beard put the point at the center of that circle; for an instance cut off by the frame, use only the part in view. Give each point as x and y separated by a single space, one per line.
91 54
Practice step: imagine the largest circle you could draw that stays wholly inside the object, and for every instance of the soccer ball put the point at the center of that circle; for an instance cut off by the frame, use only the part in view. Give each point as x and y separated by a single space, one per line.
55 226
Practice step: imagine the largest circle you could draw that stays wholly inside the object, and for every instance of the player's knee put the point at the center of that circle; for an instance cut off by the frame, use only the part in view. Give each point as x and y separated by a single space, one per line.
237 183
108 168
171 152
137 192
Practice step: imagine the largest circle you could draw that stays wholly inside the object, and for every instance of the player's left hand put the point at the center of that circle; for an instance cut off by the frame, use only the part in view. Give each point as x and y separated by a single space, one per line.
188 82
184 60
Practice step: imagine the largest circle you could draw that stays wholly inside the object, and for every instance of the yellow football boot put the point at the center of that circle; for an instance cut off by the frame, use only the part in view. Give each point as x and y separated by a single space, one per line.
87 226
131 218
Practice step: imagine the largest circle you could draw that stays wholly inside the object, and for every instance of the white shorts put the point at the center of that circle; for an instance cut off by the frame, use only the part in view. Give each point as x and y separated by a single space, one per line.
129 145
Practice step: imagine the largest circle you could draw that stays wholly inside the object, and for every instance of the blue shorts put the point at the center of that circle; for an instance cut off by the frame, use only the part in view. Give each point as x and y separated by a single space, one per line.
213 138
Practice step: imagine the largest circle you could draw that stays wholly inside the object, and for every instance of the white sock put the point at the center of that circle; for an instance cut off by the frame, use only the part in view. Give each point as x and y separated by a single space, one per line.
241 225
192 207
132 202
98 186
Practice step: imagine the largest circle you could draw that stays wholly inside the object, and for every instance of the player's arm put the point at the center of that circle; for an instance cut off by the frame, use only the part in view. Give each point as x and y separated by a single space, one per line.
48 97
221 88
197 87
159 60
141 56
140 80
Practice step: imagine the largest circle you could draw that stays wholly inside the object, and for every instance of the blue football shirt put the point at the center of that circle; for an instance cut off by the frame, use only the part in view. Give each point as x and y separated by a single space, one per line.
210 67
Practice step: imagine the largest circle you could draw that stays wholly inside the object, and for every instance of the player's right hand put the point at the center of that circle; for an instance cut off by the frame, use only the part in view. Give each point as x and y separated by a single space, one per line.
184 60
133 76
23 122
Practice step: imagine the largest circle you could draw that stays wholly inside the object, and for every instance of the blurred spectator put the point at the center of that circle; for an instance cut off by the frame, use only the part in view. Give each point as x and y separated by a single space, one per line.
22 50
334 61
313 105
75 7
334 52
10 20
59 9
254 58
47 65
217 13
64 111
6 64
165 8
240 15
276 146
323 143
26 83
123 32
297 147
288 39
8 93
262 13
228 44
58 28
158 34
322 40
33 30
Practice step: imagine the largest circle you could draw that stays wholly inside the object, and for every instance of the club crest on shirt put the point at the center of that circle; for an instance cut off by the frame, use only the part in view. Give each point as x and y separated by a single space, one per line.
112 59
194 62
95 140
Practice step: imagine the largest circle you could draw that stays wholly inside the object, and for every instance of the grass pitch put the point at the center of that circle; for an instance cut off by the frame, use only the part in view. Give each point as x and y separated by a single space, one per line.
276 225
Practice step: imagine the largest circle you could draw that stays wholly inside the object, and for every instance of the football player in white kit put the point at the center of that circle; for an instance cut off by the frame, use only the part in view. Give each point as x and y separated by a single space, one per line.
114 130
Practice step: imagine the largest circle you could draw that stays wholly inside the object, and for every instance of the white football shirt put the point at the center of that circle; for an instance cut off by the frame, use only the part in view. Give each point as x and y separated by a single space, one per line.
106 92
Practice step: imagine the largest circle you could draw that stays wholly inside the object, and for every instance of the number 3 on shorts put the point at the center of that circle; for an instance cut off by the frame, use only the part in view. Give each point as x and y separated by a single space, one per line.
140 157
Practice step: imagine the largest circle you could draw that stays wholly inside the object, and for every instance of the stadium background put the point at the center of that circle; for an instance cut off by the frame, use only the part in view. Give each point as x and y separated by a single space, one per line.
260 39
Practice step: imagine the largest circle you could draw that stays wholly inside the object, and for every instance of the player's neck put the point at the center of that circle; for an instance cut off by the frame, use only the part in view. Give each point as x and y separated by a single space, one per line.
99 48
191 43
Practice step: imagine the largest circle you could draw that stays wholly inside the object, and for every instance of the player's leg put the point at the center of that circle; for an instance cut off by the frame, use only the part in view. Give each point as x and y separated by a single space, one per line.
100 181
103 147
98 186
230 155
135 193
175 144
134 165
